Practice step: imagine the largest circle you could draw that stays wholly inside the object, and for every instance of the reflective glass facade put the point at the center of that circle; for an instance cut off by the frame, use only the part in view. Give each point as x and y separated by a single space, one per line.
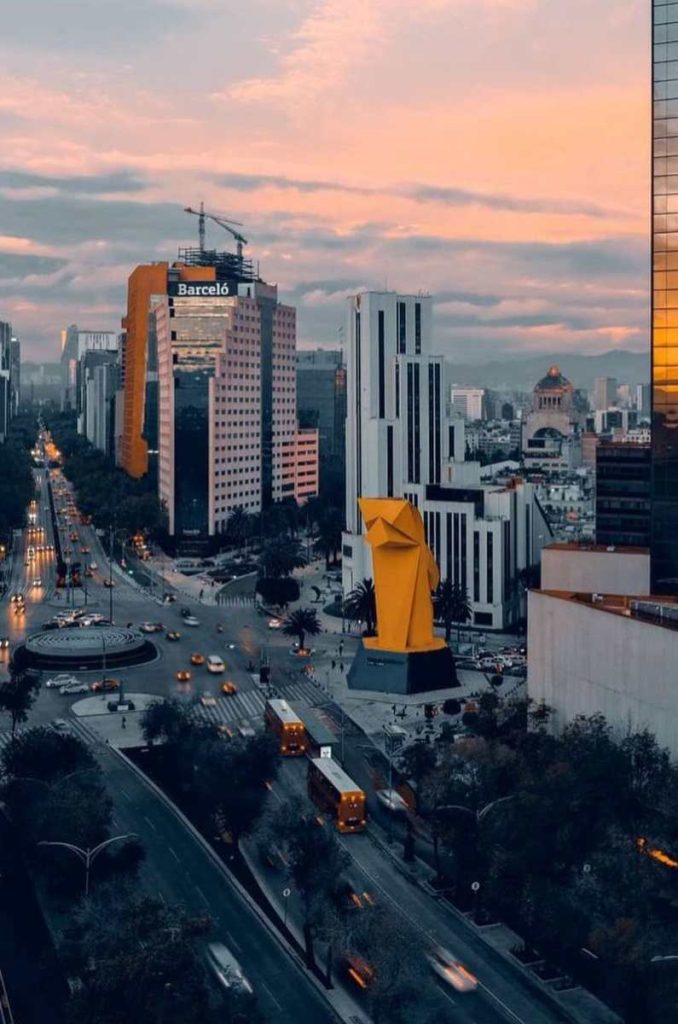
665 298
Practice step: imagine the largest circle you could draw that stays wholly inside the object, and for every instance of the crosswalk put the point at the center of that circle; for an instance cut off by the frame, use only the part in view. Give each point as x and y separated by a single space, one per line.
76 726
249 705
235 601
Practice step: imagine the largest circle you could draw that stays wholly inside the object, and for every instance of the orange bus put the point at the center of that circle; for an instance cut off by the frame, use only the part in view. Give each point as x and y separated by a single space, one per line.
337 794
287 726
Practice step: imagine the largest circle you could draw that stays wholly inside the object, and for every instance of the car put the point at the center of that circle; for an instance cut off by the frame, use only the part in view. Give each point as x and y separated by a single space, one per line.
391 800
359 970
37 582
4 643
451 970
109 583
185 612
215 664
227 970
197 659
73 537
350 894
105 685
88 573
60 724
190 620
275 624
246 730
93 566
208 700
84 550
75 687
184 676
173 635
229 688
148 627
17 598
63 679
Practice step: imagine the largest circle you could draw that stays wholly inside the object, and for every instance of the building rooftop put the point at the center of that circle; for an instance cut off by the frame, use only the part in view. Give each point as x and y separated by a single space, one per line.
583 546
656 611
553 379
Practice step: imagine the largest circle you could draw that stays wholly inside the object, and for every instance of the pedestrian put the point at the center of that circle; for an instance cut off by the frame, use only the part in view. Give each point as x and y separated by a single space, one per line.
334 664
201 593
341 666
124 722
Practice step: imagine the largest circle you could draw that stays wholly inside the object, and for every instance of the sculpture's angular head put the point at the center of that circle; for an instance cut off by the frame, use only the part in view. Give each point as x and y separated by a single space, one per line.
392 520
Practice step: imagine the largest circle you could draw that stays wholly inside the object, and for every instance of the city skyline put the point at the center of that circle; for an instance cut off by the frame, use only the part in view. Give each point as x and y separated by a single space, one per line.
436 161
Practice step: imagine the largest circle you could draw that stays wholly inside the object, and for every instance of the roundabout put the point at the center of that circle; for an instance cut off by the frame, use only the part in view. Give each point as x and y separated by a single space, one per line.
85 648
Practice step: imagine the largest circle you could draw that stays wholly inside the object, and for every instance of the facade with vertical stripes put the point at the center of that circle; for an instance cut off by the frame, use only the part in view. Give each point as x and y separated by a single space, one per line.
404 440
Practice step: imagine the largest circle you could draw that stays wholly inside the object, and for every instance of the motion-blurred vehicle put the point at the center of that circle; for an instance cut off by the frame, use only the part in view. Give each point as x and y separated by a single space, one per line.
246 730
275 624
37 582
208 700
197 659
215 664
75 687
93 566
184 676
105 685
64 679
359 970
451 970
190 620
109 583
173 635
229 688
4 643
227 970
391 800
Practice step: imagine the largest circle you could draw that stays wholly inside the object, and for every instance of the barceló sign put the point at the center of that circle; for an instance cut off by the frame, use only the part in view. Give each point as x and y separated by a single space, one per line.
196 289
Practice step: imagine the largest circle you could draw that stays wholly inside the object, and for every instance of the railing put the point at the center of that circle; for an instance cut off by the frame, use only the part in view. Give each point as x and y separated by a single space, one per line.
6 1016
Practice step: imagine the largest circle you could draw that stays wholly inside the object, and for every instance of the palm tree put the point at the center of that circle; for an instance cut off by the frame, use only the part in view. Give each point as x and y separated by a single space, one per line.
452 605
328 537
237 525
302 622
280 556
361 605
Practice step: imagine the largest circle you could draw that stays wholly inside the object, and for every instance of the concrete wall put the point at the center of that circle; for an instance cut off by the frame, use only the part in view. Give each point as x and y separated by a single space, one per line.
589 571
584 660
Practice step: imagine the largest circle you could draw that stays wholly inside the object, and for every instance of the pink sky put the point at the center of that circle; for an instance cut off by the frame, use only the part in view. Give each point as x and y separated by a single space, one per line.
493 152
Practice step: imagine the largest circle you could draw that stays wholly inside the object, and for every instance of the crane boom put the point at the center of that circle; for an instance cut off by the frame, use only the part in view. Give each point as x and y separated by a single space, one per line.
222 222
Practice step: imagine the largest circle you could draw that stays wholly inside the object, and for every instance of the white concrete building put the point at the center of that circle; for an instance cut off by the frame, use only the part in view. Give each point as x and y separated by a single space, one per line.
596 653
592 568
468 402
401 441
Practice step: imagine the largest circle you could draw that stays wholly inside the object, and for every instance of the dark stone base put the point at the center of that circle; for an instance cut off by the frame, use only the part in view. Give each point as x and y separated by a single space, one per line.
393 672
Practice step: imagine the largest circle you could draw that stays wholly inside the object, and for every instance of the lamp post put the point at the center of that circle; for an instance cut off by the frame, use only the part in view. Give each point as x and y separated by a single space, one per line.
90 855
110 574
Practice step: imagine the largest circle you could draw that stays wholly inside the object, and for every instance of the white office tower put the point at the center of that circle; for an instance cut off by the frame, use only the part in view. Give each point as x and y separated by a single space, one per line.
403 441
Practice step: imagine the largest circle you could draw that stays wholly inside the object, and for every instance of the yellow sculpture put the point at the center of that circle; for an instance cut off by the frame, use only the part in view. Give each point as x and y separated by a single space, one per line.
405 573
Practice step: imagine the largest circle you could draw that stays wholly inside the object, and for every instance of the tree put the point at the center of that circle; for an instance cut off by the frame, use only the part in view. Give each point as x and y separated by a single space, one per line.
417 761
280 557
315 859
135 962
393 952
361 606
278 592
328 537
45 754
17 697
302 622
452 606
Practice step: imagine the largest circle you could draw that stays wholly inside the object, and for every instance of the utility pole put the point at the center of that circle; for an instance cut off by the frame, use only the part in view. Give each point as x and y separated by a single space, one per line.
110 574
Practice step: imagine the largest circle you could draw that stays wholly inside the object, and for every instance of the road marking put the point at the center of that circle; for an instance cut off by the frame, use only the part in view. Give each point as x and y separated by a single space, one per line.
272 997
174 854
201 894
232 941
123 792
507 1009
149 822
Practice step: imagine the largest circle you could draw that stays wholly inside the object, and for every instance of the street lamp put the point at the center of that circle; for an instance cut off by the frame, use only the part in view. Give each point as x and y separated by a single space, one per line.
89 856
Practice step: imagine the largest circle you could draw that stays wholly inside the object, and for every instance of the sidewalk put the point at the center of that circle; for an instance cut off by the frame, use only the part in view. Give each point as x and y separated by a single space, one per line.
107 726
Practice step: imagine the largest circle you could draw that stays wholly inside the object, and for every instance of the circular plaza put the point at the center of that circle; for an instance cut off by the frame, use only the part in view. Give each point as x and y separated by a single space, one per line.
85 648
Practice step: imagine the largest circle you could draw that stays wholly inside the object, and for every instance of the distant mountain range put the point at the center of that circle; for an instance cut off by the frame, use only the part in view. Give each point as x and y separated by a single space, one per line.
521 373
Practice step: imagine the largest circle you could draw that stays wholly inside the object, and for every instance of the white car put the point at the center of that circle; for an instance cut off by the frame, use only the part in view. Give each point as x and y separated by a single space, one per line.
76 687
148 627
275 624
191 620
391 800
215 663
93 566
451 970
64 679
227 970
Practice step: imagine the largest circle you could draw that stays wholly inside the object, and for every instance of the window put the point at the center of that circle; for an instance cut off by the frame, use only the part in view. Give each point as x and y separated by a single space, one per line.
417 327
389 461
382 359
476 565
490 569
402 342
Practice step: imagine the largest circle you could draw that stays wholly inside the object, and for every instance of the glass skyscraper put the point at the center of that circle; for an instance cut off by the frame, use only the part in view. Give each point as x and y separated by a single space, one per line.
664 527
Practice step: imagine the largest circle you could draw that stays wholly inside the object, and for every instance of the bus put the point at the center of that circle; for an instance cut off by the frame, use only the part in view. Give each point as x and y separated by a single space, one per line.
337 794
286 725
320 741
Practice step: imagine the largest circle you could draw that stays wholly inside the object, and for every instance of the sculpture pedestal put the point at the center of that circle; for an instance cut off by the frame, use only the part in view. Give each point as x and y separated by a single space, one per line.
404 673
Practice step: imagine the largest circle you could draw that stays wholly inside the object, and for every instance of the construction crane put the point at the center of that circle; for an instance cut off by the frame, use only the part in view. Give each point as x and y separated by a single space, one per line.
221 221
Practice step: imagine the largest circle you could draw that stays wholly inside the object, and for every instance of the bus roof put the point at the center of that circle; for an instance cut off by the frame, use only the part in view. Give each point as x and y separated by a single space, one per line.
335 774
314 725
284 712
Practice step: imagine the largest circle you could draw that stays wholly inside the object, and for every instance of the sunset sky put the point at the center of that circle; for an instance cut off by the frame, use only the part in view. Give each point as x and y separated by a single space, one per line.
492 152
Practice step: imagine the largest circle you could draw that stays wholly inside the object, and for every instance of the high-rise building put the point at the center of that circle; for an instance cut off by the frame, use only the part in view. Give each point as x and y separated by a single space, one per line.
664 247
623 494
15 373
210 347
604 392
321 402
468 402
401 442
74 344
643 400
8 401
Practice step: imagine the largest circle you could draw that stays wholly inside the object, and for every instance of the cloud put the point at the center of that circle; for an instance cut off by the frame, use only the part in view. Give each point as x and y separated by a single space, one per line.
115 181
19 265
